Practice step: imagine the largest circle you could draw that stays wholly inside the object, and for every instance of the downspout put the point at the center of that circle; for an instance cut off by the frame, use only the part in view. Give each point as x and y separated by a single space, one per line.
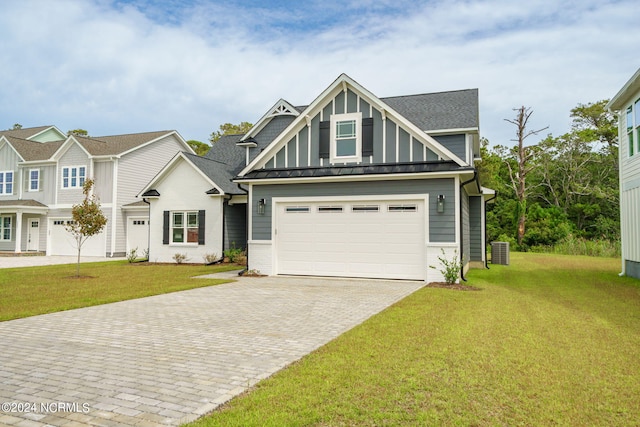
475 176
225 204
486 260
148 230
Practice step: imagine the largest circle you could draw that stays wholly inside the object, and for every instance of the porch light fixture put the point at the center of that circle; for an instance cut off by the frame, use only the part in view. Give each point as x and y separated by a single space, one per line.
440 203
261 205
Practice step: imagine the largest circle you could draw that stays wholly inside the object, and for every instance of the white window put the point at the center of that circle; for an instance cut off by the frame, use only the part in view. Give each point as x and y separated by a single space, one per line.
630 129
34 179
6 182
5 228
73 176
346 137
184 227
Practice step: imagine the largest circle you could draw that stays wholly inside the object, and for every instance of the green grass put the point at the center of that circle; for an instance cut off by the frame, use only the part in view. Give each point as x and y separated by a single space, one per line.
30 291
550 340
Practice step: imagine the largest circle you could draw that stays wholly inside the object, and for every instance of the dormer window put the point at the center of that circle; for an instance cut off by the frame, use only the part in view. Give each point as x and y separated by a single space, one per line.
346 138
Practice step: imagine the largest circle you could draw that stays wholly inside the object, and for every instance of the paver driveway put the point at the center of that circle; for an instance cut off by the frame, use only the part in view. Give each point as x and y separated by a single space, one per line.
168 359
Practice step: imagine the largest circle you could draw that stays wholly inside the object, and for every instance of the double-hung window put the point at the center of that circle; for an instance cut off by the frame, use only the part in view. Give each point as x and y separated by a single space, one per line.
34 180
630 129
5 228
184 227
636 107
346 138
73 176
6 182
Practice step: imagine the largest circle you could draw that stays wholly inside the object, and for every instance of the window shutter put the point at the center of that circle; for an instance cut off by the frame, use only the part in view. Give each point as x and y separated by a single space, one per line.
325 128
367 137
201 227
165 228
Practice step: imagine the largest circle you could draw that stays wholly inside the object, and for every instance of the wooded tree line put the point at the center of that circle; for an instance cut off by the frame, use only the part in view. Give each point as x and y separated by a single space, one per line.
559 187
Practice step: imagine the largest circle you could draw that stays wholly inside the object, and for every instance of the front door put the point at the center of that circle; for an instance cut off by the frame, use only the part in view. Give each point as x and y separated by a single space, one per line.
33 234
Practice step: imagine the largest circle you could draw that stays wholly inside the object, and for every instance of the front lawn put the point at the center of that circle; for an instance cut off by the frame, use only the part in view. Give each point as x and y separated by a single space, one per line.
28 291
550 340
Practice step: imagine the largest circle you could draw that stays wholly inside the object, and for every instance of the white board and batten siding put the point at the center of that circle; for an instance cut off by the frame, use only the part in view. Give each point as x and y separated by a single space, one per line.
134 171
73 157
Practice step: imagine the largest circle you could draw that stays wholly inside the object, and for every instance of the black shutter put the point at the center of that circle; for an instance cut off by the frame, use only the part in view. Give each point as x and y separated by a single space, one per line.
165 228
201 227
325 130
367 137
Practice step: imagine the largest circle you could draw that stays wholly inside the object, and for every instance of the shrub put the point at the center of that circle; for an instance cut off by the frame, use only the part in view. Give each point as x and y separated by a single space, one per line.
233 253
210 258
180 258
450 268
132 255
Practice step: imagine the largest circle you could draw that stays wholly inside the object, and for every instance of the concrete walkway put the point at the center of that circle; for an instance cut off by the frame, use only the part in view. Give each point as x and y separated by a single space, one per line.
34 261
168 359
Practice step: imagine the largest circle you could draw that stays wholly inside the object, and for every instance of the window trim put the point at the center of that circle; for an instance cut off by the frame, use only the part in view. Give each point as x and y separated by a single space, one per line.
80 179
4 183
31 181
334 120
3 229
185 228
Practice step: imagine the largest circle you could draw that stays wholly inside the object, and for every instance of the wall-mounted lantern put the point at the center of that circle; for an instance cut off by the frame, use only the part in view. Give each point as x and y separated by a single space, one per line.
440 203
261 204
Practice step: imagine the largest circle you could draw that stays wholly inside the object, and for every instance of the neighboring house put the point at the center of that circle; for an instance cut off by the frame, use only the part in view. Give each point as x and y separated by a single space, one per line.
351 185
626 104
196 209
42 172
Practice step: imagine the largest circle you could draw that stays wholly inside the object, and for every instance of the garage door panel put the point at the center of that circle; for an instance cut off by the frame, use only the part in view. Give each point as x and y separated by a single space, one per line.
63 243
382 243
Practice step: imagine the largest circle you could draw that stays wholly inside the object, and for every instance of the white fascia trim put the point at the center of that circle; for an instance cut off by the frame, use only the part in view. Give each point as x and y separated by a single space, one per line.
631 86
4 140
356 198
268 116
351 178
135 208
452 131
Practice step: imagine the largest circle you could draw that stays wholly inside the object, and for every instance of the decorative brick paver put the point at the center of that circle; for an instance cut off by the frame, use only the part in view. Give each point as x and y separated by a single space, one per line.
169 359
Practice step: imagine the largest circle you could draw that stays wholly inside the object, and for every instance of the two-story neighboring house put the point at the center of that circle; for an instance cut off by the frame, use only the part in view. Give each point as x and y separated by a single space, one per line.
350 185
42 172
626 104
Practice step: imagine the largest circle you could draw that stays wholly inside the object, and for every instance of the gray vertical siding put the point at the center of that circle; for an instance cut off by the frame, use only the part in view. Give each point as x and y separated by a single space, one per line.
466 245
454 143
292 154
303 147
404 147
441 225
475 228
339 104
235 226
352 102
418 151
314 146
391 141
378 128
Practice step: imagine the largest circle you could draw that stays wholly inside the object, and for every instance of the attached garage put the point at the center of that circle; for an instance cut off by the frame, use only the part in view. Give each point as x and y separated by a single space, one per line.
62 242
369 238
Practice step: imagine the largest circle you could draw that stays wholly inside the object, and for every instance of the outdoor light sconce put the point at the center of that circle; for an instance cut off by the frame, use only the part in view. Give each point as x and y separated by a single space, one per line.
440 203
261 205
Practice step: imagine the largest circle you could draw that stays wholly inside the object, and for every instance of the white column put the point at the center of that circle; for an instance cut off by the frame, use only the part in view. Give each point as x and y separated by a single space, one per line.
18 231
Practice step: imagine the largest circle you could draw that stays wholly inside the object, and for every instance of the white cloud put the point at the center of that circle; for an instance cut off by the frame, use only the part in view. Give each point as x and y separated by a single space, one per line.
129 68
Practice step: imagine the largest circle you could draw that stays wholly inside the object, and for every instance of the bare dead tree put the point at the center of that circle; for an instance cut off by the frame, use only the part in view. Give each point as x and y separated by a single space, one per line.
523 156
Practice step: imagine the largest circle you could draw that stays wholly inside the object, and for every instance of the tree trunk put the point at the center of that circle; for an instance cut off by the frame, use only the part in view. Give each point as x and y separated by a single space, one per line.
78 264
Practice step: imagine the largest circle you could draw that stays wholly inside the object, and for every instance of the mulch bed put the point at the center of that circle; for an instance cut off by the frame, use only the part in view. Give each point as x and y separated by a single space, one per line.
453 286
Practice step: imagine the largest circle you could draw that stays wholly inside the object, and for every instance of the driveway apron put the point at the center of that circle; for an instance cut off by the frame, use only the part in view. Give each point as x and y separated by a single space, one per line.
169 359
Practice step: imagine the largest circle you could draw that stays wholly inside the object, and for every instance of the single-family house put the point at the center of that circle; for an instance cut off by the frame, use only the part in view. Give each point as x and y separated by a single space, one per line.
42 172
350 185
626 104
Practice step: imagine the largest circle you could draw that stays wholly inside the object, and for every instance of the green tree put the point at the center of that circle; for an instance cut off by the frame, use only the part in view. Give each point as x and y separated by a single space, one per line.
17 126
88 219
78 132
201 148
230 129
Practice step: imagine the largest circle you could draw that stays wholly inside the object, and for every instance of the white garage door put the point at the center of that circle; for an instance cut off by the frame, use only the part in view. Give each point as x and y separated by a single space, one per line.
62 243
138 234
378 239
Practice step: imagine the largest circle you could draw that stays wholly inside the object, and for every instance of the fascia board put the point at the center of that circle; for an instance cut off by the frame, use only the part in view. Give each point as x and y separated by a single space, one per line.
354 178
452 131
629 88
5 141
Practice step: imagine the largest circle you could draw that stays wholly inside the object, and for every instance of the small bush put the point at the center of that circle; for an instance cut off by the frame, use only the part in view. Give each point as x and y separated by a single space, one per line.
233 253
132 255
210 258
241 259
180 258
450 268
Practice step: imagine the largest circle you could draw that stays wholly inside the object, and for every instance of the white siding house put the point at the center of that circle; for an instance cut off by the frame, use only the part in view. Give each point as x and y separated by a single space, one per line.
626 104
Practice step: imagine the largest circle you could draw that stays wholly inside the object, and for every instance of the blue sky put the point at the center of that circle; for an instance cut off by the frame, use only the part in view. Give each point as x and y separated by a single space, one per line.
116 66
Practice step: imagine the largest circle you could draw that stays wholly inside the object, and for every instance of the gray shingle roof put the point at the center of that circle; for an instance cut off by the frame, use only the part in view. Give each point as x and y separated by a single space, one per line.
30 150
23 203
218 172
227 152
442 110
117 144
24 133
